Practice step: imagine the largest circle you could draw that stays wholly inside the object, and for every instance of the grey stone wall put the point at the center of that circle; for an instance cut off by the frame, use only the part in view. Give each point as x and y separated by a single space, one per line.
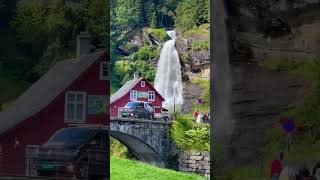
156 134
195 162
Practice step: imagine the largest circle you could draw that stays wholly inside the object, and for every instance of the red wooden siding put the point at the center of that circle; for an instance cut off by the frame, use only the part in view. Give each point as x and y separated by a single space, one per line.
38 128
126 98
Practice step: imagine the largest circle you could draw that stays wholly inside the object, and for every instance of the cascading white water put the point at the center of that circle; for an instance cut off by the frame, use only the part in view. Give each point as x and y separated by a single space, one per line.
168 80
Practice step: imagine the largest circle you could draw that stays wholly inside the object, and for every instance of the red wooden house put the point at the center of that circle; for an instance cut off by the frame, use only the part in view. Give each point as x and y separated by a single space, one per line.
73 92
138 89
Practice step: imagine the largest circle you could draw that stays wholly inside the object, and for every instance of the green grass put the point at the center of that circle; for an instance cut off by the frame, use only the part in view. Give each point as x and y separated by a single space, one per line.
134 170
198 45
10 89
203 30
160 34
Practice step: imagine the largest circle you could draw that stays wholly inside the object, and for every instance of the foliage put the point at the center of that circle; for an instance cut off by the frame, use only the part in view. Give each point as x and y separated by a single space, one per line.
134 170
205 107
202 30
198 45
125 70
190 13
118 149
160 34
40 30
146 53
306 113
10 89
190 136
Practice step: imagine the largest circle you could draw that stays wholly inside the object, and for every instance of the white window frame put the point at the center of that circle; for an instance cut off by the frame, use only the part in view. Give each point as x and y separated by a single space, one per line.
102 64
133 95
154 95
84 113
143 84
119 111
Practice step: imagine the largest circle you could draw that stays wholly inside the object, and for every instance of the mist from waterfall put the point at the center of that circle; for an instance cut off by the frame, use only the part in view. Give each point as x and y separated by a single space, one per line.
168 80
223 125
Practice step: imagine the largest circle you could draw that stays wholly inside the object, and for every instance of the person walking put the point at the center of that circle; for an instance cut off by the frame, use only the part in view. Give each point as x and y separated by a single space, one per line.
277 167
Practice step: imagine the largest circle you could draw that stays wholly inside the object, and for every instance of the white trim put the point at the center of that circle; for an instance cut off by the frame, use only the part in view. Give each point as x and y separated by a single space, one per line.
102 64
143 83
31 154
154 95
135 94
84 113
119 111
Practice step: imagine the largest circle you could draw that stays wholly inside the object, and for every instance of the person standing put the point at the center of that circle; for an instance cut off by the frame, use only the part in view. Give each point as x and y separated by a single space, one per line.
277 167
196 114
200 118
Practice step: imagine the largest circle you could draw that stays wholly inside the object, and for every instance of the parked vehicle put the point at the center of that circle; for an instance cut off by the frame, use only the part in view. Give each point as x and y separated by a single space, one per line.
138 109
79 152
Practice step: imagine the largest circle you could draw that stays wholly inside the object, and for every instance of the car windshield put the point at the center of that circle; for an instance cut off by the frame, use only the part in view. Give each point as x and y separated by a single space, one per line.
132 104
71 137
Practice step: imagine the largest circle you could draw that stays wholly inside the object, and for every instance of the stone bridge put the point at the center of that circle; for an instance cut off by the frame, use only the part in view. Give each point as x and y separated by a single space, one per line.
148 140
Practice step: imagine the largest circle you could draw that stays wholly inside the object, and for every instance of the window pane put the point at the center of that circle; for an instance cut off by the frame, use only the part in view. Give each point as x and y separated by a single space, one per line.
80 98
105 70
79 112
71 97
70 111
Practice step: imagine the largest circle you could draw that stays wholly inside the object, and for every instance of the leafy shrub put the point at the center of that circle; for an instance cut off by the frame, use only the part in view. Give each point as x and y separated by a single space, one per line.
160 34
197 45
146 53
202 30
190 136
118 149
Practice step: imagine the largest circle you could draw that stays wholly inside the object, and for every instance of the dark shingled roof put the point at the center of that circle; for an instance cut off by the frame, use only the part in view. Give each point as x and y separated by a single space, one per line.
46 89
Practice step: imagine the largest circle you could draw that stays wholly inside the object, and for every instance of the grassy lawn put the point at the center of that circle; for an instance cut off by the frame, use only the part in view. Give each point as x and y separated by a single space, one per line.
133 170
10 89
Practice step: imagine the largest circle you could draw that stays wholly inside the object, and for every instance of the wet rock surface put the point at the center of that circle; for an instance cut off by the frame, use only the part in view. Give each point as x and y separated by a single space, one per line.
263 30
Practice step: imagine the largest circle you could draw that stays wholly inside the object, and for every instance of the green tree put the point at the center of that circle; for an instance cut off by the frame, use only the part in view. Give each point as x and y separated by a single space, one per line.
190 13
29 24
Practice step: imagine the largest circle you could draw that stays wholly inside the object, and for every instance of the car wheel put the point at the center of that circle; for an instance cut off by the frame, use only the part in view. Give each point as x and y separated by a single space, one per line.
82 169
135 116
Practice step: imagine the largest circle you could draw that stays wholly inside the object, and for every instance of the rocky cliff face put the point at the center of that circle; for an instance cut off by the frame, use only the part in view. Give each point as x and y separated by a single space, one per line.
261 30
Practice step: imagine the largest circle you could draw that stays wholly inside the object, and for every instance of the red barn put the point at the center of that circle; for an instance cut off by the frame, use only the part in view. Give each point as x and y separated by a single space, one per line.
73 92
138 89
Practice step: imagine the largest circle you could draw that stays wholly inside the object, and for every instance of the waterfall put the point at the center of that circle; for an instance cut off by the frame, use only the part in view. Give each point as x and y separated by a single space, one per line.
222 90
168 80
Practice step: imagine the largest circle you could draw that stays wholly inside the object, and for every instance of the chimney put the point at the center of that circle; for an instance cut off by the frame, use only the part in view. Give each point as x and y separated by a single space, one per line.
83 43
135 75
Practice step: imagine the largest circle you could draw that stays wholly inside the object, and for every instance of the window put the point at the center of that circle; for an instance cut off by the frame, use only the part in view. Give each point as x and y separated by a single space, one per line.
119 111
143 84
151 95
133 95
104 70
75 107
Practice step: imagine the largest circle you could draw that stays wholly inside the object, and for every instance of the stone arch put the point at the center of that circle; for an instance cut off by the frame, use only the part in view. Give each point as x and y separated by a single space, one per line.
139 148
